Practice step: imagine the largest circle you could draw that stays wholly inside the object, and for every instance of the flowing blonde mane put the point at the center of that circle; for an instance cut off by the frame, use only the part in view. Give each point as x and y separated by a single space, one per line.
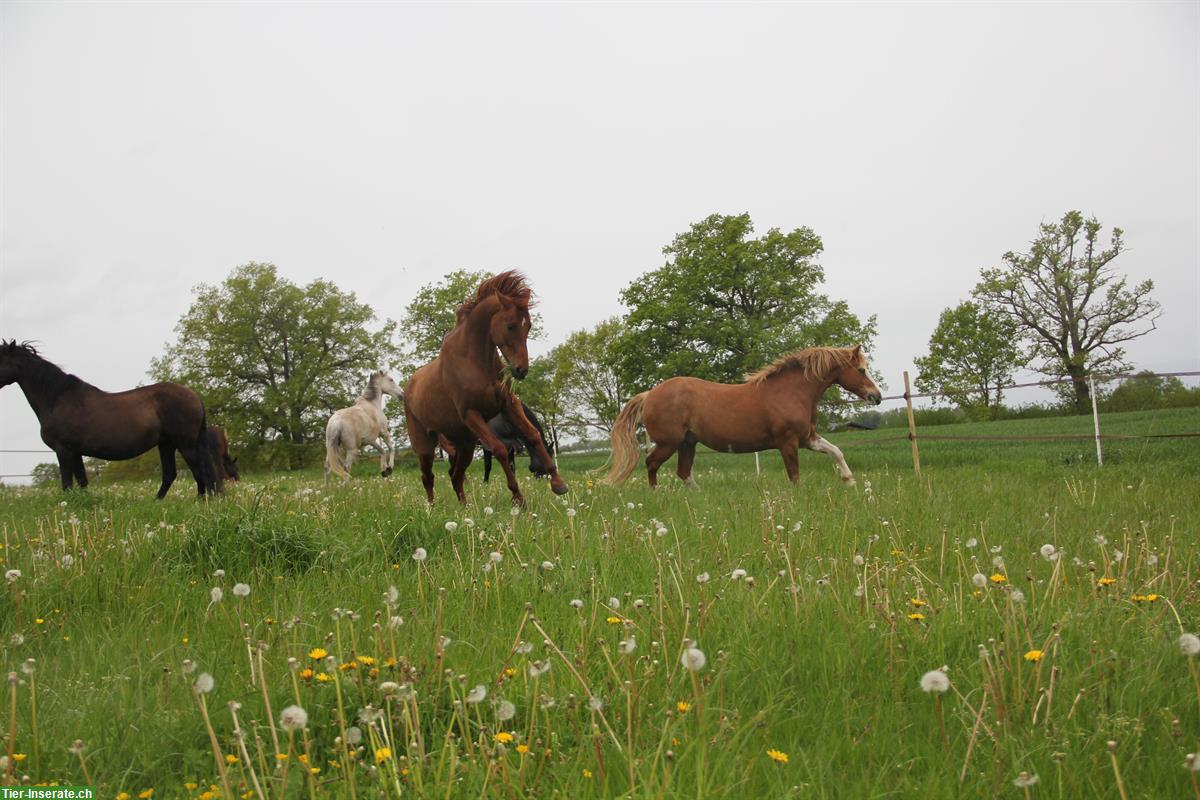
510 284
813 362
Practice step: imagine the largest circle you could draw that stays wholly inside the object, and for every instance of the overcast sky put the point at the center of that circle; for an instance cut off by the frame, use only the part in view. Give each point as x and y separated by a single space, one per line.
147 148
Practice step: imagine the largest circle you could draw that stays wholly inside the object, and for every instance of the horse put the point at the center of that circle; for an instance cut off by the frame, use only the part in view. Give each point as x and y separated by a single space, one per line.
364 422
456 394
226 466
78 420
775 408
512 438
507 433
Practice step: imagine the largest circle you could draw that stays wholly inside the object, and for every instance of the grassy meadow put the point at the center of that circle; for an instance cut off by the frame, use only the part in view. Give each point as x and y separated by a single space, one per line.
751 639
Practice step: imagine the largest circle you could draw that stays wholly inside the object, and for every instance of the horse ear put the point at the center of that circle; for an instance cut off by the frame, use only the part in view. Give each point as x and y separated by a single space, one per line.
505 303
857 350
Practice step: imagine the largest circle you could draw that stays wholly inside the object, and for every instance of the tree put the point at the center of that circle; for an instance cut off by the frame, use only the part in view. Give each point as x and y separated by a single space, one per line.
1069 303
542 390
973 353
725 304
593 392
271 359
430 315
1145 391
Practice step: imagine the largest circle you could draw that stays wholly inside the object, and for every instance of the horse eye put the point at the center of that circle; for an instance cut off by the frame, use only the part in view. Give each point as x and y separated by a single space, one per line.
862 370
512 327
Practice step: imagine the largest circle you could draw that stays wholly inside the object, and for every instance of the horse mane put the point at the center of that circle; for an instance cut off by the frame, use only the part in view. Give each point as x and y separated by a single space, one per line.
510 285
372 391
43 376
813 362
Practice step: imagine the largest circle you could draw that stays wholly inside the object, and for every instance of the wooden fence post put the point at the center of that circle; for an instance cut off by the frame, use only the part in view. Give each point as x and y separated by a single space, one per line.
1096 421
912 426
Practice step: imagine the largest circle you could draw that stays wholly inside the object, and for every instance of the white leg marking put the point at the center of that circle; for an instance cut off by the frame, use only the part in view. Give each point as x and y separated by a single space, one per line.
822 445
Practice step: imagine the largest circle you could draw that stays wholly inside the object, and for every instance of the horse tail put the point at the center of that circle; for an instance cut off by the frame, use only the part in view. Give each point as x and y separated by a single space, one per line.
210 472
625 451
334 448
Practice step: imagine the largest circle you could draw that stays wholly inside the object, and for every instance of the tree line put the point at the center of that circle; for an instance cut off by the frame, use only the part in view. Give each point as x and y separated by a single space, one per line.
273 359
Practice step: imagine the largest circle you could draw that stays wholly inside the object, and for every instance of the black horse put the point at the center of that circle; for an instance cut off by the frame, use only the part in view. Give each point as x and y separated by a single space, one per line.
507 433
80 420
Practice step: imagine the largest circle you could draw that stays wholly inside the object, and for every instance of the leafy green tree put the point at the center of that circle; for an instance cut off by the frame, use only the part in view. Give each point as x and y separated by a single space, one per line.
592 390
272 359
1146 391
724 304
973 354
542 390
45 475
1070 304
430 315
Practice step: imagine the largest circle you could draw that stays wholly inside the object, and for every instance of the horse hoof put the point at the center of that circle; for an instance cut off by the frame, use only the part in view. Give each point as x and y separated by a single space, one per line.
850 481
560 488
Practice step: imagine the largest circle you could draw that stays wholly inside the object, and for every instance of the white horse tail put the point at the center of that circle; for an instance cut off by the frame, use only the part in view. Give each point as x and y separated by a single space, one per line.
335 449
625 450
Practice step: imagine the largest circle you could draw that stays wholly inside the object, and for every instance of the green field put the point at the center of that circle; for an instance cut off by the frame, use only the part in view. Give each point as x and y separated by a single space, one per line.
849 596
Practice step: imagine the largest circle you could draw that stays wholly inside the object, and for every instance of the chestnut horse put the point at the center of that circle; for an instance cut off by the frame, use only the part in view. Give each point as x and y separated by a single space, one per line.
776 408
227 469
459 391
80 420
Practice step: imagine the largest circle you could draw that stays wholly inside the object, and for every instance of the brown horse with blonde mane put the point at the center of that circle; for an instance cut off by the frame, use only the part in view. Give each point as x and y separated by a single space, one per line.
776 408
459 391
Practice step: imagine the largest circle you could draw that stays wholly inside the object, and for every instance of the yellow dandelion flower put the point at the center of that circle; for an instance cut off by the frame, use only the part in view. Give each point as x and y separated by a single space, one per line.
191 786
1106 581
306 674
917 602
349 665
281 756
19 757
324 677
231 759
613 620
146 794
302 758
1034 655
314 770
39 621
124 796
510 672
778 756
382 754
1153 598
503 737
587 773
998 578
522 749
916 615
1138 598
390 663
683 706
366 660
317 653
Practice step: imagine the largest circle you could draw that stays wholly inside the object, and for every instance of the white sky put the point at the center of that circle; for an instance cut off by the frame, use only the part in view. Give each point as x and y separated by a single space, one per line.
147 148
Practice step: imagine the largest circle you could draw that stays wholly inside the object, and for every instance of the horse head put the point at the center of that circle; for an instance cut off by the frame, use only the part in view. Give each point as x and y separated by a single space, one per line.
387 385
509 332
852 376
13 357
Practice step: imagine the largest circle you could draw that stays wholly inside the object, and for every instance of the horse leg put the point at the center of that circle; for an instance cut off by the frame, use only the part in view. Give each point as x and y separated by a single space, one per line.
192 457
487 464
383 454
80 472
821 445
423 445
683 467
465 453
386 437
656 459
516 415
166 454
65 471
479 426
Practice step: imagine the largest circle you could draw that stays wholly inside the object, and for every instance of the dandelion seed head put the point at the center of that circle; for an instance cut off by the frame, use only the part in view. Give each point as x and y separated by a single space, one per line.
1025 780
241 590
293 718
979 580
204 683
934 682
693 659
1189 644
737 574
505 711
1048 551
217 594
477 694
419 554
702 577
12 575
451 526
972 542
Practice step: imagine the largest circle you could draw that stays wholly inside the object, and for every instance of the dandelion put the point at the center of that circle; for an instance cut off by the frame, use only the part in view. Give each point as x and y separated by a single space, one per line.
503 737
1025 780
204 683
998 578
778 756
419 555
737 574
702 577
917 602
505 711
1106 581
934 682
626 646
12 575
614 603
354 736
547 565
1049 552
1034 655
217 594
972 542
595 703
859 560
979 580
683 706
538 668
241 590
391 597
29 666
916 616
487 511
477 694
522 749
382 754
576 603
218 574
1017 596
293 718
514 512
524 647
451 526
317 653
693 658
1189 644
67 560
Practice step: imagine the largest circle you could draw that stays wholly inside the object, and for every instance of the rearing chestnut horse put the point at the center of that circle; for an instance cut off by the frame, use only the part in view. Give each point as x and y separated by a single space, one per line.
775 408
80 420
459 391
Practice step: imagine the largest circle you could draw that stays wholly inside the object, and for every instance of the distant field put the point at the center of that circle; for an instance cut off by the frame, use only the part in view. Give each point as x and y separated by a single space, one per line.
812 656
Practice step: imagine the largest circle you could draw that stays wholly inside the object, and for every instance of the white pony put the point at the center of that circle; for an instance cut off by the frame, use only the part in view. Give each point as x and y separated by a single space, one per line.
363 422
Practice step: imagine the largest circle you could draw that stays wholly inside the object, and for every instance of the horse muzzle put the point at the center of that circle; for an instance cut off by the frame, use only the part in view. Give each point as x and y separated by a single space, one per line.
518 372
875 397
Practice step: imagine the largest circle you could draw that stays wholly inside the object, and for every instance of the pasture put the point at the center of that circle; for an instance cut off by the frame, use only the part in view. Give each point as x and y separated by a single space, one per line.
818 608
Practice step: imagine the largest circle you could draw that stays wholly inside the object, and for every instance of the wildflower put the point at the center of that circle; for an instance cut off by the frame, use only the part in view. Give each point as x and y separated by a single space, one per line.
1189 644
231 759
702 577
324 677
1025 780
917 602
382 754
1049 552
503 737
626 646
998 578
67 560
306 674
218 574
451 526
317 653
146 794
495 556
595 703
547 565
391 596
124 796
612 620
241 590
76 747
737 574
217 594
487 511
1153 598
917 616
395 622
293 718
576 603
524 647
778 756
1034 655
979 580
538 668
505 711
1106 581
353 736
204 683
587 773
477 694
12 575
934 682
419 555
522 749
366 661
683 706
693 658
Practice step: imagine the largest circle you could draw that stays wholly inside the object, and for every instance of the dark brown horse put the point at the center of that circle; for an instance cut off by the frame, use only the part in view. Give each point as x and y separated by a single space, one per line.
227 468
459 391
80 420
776 408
